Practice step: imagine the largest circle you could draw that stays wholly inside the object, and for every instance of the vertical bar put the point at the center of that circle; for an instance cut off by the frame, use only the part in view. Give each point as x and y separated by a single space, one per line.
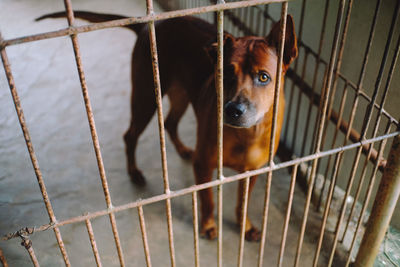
278 84
368 195
220 102
245 199
158 94
93 242
291 98
27 243
95 139
327 208
144 236
323 109
314 82
382 211
287 217
335 80
32 154
195 229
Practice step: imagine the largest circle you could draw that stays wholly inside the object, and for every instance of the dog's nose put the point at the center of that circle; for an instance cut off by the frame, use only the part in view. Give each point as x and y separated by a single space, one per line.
234 110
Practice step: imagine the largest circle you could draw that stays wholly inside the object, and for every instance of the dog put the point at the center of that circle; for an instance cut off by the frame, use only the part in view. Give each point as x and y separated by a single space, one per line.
187 53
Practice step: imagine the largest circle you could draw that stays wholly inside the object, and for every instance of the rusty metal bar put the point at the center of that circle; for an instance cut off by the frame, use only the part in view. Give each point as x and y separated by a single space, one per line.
327 208
158 94
340 117
323 110
367 197
332 98
195 229
314 82
382 211
278 84
27 243
144 236
220 102
134 20
287 217
32 154
95 139
93 242
289 112
214 183
245 199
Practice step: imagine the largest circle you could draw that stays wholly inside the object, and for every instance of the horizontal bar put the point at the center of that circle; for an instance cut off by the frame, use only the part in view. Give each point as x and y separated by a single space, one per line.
134 20
199 187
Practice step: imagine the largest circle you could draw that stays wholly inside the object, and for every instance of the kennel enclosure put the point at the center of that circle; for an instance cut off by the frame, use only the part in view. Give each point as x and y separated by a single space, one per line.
341 112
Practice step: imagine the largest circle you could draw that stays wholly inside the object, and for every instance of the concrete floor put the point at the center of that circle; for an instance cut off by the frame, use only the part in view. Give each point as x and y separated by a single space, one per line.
48 85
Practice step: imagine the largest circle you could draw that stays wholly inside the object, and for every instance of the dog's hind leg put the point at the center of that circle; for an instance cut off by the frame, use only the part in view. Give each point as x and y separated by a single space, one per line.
143 106
179 102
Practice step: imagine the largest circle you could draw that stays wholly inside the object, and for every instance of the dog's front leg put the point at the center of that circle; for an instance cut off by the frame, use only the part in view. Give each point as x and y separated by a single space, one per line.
251 232
203 173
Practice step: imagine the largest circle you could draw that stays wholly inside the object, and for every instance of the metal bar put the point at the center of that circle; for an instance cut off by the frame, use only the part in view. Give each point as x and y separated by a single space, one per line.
327 208
95 139
367 197
158 94
243 215
214 183
93 242
195 229
323 109
32 154
287 217
144 236
220 102
299 99
340 117
299 37
27 243
382 211
278 85
314 82
332 98
134 20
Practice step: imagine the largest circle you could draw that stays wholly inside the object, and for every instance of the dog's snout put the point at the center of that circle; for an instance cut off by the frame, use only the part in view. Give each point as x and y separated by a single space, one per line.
234 110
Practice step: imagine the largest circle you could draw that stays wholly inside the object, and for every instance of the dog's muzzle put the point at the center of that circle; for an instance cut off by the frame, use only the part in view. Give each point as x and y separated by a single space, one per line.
239 114
234 110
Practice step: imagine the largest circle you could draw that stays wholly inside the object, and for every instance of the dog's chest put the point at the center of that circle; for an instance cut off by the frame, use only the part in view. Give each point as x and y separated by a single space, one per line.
242 154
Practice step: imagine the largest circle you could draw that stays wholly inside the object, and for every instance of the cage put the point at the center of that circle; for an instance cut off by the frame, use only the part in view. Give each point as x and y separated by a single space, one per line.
326 198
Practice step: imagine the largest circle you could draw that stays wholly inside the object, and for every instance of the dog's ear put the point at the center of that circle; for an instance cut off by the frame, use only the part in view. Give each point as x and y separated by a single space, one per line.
290 47
212 48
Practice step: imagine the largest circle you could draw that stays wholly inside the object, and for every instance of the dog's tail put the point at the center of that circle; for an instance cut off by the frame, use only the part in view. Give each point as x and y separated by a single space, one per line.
93 17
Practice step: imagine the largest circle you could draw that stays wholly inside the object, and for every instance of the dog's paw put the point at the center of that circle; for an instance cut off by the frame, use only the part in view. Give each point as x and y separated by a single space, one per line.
210 233
186 153
253 234
209 230
137 177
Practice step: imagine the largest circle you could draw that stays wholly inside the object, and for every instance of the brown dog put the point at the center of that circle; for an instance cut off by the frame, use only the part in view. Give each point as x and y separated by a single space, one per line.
186 63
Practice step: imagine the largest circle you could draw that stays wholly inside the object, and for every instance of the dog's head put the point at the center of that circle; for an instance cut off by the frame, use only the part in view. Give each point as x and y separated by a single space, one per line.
250 65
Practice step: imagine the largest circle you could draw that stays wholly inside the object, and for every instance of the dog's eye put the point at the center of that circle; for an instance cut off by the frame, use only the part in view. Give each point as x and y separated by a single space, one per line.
263 78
